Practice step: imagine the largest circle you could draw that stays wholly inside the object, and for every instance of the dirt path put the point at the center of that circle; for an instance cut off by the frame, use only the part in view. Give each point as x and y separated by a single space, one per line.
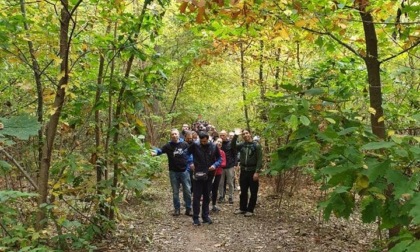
294 226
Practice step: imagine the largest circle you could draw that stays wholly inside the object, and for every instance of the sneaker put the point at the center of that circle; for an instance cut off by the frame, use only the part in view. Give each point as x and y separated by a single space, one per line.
230 201
207 220
249 214
221 199
176 212
215 209
239 211
196 222
188 212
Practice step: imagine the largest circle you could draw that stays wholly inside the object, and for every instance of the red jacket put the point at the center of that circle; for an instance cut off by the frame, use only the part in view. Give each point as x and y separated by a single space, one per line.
219 169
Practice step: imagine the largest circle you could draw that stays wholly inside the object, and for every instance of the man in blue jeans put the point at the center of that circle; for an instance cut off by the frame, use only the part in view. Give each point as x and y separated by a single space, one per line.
177 153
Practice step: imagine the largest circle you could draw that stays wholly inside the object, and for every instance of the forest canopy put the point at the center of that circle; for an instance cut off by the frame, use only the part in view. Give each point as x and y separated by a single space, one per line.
88 87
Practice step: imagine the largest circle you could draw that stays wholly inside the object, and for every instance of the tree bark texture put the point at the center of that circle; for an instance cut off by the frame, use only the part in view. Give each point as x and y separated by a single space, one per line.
51 127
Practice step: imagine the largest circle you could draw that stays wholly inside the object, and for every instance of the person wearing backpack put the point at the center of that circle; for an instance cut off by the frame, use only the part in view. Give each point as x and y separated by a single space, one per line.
250 160
206 157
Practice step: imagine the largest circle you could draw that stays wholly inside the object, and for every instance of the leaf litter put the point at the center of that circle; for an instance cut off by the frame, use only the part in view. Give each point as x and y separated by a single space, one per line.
293 225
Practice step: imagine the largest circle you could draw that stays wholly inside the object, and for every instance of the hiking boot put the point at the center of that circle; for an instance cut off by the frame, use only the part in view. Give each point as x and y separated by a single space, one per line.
215 209
239 211
221 199
188 212
176 212
249 214
196 222
207 220
230 201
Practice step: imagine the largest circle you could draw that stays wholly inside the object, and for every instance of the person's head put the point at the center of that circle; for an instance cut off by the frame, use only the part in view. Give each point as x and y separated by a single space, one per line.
204 137
231 134
195 136
246 136
223 135
219 143
174 135
185 126
201 127
188 136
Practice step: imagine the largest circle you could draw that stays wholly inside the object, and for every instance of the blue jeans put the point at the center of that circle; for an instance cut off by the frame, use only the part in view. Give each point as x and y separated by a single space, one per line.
178 178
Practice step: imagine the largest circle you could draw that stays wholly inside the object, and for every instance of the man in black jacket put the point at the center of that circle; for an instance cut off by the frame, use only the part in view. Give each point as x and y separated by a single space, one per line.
228 172
251 163
206 158
178 160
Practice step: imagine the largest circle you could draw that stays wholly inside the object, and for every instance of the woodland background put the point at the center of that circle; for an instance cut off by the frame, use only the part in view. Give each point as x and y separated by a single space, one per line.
87 87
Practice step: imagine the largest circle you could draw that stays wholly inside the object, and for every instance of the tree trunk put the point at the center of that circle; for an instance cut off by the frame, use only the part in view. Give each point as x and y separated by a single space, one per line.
375 91
51 126
244 86
118 113
37 75
374 77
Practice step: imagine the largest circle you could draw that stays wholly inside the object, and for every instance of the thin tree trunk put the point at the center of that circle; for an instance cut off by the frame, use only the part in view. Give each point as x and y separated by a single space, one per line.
244 86
51 127
37 75
118 113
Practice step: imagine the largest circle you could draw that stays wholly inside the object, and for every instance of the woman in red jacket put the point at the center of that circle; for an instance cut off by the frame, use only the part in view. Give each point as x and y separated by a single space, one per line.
217 176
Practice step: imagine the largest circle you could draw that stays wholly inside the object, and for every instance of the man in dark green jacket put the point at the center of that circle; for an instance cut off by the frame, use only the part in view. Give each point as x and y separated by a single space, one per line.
250 160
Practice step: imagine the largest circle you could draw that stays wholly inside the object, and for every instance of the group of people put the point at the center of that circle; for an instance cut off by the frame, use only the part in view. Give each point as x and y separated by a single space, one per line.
204 162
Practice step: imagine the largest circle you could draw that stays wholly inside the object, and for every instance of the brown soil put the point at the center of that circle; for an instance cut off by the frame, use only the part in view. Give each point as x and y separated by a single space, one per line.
146 224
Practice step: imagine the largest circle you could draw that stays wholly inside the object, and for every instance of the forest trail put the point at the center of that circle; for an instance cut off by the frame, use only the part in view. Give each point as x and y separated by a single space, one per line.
148 225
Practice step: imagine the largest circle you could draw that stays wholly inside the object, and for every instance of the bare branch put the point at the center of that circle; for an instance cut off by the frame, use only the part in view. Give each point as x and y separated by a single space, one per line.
402 52
336 39
27 176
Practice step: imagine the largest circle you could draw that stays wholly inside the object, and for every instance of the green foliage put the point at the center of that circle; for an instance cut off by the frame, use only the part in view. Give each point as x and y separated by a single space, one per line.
16 234
20 127
331 138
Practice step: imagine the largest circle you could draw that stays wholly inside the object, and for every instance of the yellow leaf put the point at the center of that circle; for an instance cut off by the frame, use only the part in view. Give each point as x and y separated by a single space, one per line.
284 33
57 60
300 23
391 132
61 75
372 111
381 119
362 182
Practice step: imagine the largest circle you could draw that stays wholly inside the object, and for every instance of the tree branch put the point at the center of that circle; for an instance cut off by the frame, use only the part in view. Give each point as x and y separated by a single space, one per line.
402 52
336 39
27 176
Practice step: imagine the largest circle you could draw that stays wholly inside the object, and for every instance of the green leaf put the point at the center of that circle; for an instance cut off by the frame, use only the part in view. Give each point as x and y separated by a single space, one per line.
304 120
314 91
5 166
371 209
347 131
293 121
378 145
415 211
376 169
402 184
21 127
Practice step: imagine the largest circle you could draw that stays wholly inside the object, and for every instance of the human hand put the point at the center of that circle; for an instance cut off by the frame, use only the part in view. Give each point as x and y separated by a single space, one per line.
255 177
153 153
212 168
237 131
192 167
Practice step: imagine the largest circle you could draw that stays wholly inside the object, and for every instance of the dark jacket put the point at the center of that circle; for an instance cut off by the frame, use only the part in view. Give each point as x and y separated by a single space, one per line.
177 155
250 154
231 159
205 156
